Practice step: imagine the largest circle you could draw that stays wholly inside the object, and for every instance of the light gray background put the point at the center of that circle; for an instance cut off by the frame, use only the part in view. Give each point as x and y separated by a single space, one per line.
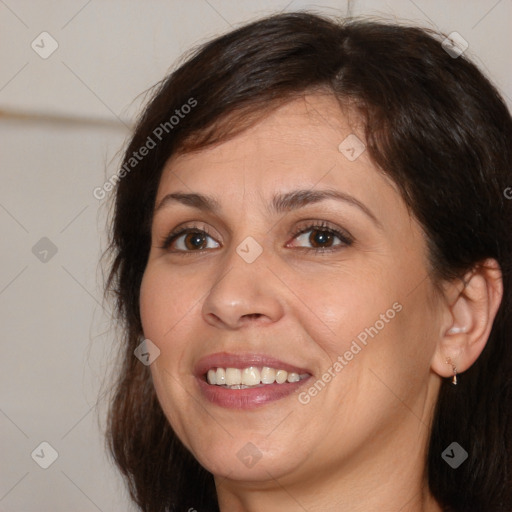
62 122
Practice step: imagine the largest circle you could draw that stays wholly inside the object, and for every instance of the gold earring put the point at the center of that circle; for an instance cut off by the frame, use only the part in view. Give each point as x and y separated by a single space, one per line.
454 378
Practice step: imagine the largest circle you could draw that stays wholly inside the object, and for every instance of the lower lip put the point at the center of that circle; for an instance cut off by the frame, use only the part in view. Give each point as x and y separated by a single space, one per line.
248 398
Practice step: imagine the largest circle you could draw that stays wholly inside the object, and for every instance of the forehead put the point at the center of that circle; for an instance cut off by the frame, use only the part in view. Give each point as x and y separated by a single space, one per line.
305 143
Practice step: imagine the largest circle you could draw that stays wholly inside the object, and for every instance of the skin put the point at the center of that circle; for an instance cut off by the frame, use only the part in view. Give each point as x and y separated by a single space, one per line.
360 443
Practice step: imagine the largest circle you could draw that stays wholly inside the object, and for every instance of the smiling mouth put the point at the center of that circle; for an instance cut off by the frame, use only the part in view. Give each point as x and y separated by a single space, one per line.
250 377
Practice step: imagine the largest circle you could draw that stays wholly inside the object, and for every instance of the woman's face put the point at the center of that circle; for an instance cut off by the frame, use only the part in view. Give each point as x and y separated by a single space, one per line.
300 257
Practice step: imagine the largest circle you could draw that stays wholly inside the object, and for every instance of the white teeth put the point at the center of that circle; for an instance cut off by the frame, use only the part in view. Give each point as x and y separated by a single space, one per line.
251 376
211 376
268 375
233 376
220 376
281 376
293 377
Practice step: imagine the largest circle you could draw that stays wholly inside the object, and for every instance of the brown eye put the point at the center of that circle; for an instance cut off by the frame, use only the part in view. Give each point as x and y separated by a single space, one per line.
321 238
189 240
195 240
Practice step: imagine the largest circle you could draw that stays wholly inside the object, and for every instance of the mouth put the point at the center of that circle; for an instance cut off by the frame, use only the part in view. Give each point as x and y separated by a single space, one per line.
245 381
251 377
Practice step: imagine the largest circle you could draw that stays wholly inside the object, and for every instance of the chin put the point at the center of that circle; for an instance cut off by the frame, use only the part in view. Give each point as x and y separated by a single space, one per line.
251 461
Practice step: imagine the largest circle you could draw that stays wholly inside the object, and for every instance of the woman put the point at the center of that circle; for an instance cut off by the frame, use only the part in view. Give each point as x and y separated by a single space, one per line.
312 237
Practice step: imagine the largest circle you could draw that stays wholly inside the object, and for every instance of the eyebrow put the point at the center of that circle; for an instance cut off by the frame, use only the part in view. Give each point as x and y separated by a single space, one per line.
281 203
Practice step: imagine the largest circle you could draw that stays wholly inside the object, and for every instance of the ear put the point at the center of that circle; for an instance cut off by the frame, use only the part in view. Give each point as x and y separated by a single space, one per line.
468 313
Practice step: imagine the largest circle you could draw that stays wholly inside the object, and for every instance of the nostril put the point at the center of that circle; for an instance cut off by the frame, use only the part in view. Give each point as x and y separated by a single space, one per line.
252 316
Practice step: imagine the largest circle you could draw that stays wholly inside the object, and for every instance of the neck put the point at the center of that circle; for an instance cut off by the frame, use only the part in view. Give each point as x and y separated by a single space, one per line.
388 472
398 492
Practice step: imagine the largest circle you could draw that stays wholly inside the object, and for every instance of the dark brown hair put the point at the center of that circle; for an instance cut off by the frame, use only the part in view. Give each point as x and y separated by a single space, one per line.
434 124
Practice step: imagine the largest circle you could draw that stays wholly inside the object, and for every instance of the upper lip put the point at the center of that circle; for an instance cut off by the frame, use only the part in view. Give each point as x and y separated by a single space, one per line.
243 360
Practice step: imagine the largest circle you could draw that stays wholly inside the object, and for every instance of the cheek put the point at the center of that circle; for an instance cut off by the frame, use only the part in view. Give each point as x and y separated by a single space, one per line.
167 313
165 298
373 321
346 305
154 300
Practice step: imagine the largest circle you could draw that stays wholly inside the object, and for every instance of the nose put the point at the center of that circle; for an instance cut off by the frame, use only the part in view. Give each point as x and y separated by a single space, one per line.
244 294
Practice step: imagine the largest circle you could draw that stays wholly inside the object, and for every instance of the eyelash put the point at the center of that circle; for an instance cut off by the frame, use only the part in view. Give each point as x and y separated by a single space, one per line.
346 239
323 226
